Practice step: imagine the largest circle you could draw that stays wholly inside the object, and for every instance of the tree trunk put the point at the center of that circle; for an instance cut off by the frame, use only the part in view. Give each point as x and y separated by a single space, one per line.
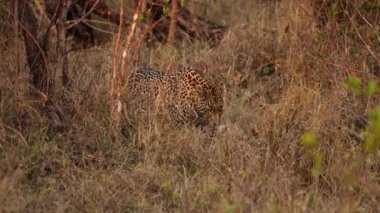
36 54
61 37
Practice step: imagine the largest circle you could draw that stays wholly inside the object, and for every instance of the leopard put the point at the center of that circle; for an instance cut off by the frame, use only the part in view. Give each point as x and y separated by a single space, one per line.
182 97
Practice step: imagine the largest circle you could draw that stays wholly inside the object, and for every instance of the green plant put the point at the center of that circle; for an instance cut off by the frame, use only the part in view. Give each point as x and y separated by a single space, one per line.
372 130
310 143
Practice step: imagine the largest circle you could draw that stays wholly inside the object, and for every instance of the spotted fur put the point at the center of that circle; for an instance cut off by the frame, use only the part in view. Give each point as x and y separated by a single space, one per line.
183 97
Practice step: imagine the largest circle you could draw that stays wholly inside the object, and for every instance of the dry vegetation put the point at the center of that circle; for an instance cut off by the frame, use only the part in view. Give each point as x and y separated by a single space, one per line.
290 141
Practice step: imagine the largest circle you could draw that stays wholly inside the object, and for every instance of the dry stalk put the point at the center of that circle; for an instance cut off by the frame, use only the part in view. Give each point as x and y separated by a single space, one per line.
116 49
122 72
173 22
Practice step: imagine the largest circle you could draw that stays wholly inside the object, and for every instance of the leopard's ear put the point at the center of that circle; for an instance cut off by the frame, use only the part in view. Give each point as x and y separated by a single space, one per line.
207 91
216 91
186 69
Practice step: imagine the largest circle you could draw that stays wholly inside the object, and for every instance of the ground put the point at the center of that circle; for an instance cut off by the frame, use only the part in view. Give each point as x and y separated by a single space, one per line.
297 133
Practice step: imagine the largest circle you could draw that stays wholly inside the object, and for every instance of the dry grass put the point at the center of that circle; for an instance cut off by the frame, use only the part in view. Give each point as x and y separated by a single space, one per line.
256 162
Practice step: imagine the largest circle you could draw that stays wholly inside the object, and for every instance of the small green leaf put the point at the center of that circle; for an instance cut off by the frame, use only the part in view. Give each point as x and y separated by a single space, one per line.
372 141
166 10
272 206
166 184
333 10
309 140
183 2
372 88
371 6
375 114
318 163
228 207
353 84
37 2
141 18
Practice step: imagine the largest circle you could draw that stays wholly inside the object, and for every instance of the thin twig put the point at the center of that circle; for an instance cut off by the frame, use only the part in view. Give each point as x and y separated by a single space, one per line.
84 16
87 23
368 47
